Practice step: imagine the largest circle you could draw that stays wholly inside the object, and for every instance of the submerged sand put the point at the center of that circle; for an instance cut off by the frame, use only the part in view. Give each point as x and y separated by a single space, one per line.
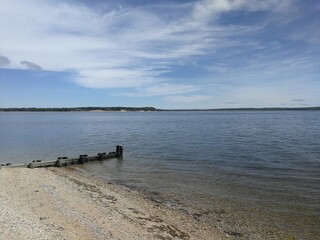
56 203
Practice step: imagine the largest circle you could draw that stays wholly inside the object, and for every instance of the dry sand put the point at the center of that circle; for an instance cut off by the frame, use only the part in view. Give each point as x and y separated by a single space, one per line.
67 203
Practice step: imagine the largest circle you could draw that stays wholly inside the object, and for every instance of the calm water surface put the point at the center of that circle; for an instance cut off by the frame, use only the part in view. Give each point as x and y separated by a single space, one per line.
246 170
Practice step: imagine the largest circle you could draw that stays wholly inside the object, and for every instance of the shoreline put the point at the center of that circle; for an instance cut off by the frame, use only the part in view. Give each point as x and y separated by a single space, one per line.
71 203
54 203
151 109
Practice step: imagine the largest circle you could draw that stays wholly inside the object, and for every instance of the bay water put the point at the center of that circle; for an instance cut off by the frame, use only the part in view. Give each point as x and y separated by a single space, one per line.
254 174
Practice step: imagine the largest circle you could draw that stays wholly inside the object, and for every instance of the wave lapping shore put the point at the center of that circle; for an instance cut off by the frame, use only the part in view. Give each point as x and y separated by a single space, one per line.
69 204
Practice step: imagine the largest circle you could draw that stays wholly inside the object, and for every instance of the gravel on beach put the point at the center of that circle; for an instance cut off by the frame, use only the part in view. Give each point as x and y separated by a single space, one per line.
56 203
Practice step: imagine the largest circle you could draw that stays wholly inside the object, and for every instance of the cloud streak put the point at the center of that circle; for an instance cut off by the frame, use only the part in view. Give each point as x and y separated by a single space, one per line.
187 99
208 9
31 66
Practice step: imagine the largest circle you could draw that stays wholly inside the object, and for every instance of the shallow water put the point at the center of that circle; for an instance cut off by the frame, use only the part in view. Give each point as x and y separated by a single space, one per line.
248 167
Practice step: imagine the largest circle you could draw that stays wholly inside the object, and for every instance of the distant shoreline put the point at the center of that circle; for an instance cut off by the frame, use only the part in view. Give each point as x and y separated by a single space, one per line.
148 109
81 109
244 109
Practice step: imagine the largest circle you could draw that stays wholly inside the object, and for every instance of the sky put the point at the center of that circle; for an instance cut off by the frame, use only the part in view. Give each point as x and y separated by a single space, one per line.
166 54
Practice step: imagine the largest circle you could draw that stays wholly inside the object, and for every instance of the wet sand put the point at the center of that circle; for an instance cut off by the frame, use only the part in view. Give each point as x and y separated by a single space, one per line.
67 203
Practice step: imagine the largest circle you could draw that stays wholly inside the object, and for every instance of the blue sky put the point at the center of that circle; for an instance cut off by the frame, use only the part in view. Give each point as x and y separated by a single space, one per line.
166 54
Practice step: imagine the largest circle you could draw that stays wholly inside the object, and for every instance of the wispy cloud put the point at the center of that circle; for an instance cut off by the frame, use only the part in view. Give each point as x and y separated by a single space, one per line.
187 99
119 48
298 100
145 48
168 89
161 89
208 9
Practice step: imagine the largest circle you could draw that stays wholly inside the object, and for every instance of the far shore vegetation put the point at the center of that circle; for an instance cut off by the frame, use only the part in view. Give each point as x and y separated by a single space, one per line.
144 109
79 109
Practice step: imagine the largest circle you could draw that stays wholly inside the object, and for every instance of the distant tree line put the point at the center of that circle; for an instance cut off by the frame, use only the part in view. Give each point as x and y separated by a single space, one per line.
78 109
136 109
246 109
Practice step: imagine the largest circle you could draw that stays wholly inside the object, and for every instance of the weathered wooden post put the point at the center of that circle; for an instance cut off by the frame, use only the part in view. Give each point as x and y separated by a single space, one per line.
81 159
119 151
100 156
59 163
64 161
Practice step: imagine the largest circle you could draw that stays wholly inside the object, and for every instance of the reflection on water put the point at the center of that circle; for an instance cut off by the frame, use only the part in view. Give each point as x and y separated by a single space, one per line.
119 165
248 166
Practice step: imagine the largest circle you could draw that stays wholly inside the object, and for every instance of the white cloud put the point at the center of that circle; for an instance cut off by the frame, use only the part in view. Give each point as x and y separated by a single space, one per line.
208 9
113 78
54 28
161 89
168 89
116 48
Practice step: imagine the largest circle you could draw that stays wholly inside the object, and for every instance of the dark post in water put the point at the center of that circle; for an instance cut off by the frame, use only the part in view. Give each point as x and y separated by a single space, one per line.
119 151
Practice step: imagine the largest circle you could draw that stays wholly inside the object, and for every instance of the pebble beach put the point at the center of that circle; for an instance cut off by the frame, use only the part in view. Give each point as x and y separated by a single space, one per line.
55 203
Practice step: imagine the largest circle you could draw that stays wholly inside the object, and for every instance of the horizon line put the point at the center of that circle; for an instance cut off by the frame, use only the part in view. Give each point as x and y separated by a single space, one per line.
119 108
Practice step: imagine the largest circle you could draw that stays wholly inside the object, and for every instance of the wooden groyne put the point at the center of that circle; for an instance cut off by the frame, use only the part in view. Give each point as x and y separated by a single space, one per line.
65 161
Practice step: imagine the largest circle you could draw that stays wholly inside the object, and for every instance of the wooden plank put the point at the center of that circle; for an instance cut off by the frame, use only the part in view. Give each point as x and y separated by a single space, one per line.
64 161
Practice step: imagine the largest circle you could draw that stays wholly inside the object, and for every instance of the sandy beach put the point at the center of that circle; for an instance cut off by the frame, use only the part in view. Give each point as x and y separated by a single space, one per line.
67 203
